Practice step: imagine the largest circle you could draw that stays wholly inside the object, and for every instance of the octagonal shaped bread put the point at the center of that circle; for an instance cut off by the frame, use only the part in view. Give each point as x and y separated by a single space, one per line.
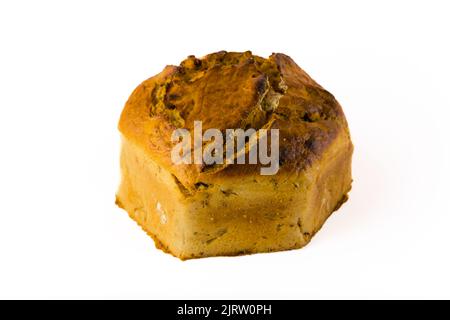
194 210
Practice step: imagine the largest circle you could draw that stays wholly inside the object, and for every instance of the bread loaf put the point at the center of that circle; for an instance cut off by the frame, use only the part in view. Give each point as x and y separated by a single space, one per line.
194 210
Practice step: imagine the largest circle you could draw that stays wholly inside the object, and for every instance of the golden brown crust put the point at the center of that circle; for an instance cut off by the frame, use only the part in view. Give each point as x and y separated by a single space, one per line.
196 210
233 90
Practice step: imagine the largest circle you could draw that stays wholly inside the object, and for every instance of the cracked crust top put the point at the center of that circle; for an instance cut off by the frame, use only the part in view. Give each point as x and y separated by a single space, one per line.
230 90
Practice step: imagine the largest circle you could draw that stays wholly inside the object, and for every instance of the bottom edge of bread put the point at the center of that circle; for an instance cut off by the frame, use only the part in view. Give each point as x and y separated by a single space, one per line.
238 251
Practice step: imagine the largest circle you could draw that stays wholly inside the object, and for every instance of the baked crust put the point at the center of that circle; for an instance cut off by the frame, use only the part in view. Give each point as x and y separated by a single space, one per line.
195 210
233 90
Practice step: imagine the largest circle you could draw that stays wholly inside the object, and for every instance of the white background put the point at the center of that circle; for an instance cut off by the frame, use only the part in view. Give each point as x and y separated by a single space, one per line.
66 70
